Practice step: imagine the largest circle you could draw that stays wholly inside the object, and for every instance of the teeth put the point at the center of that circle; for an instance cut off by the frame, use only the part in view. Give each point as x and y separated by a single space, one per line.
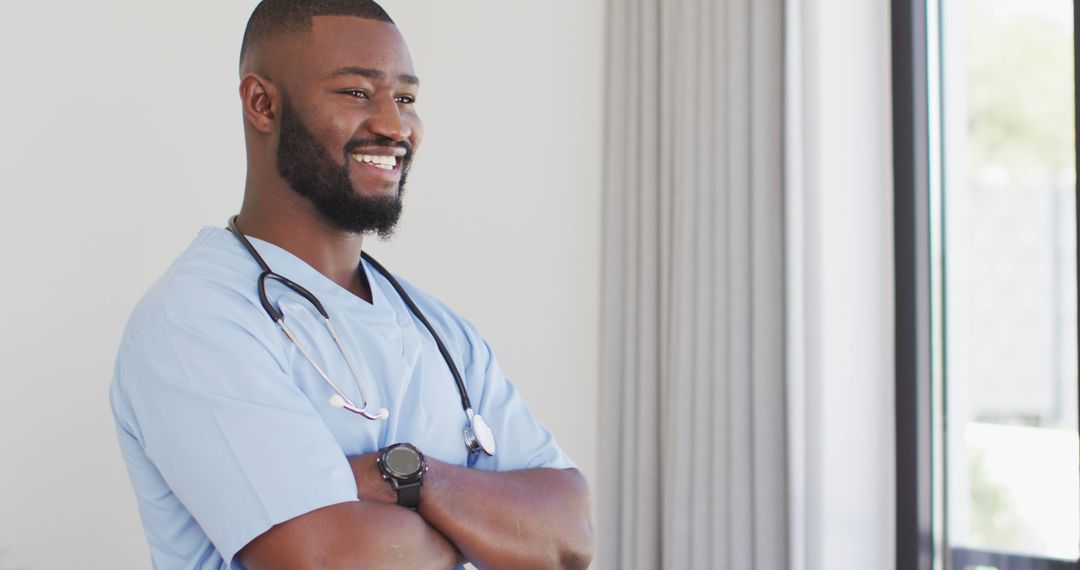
380 161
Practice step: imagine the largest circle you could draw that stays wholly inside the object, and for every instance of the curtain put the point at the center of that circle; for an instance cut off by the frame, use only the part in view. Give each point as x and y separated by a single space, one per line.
693 468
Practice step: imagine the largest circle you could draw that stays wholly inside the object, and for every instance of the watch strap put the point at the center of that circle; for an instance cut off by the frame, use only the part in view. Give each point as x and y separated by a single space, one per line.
408 495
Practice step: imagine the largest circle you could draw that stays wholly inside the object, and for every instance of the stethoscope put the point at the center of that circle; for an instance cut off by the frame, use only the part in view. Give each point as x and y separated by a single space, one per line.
478 435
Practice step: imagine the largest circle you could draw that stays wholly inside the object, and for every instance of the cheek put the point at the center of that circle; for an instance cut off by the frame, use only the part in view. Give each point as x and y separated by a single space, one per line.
336 133
417 137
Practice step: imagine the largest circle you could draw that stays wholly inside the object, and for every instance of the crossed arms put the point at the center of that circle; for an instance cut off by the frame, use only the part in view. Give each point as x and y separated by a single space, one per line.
533 518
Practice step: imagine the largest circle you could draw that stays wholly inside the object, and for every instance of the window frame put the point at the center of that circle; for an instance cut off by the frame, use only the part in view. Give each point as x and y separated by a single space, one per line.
911 250
962 558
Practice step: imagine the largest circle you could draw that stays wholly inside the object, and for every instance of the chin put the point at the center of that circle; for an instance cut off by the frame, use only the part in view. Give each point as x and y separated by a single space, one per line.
377 191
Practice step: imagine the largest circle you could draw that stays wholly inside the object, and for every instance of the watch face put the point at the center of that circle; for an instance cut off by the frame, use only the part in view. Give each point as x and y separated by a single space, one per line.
403 462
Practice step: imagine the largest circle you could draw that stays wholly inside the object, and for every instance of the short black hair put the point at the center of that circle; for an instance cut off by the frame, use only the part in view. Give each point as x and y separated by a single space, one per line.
273 17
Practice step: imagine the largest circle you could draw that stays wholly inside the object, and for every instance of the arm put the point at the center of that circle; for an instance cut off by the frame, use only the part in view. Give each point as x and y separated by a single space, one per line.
242 448
351 535
532 518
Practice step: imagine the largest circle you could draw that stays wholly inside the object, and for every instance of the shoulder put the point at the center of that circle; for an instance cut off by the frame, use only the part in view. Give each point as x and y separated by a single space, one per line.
462 338
209 291
196 318
208 279
437 310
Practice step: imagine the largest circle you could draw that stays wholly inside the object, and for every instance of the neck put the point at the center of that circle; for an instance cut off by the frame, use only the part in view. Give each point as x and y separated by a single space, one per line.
290 222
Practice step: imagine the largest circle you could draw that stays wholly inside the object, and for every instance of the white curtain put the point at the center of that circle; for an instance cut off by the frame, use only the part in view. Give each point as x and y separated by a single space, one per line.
693 464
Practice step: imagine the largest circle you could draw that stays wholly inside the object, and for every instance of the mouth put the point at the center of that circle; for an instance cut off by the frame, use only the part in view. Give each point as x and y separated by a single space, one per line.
389 161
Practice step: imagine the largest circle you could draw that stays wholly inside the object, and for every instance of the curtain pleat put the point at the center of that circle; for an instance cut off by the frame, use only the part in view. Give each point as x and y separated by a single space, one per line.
693 446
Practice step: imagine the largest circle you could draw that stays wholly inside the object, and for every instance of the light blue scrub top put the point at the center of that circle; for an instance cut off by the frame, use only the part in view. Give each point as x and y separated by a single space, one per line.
227 430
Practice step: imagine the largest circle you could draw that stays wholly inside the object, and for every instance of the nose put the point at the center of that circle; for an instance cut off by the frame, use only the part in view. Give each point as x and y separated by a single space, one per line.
388 122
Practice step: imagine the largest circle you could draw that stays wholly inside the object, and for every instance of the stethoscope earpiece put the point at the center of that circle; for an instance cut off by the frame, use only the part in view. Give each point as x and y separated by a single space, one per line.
339 401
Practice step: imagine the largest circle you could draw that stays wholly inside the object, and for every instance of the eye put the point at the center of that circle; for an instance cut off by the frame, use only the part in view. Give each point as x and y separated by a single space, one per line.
406 99
356 93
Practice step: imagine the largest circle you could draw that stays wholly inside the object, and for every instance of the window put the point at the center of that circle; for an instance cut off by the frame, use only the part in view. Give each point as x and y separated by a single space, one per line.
987 350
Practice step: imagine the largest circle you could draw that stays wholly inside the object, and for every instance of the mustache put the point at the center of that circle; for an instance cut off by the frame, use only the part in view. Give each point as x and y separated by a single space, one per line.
356 144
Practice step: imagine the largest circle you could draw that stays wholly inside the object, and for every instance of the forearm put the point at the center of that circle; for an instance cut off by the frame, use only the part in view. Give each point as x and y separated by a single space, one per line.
535 518
352 535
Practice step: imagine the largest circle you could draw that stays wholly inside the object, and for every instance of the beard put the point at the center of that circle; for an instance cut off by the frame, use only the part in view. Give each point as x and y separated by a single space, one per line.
312 172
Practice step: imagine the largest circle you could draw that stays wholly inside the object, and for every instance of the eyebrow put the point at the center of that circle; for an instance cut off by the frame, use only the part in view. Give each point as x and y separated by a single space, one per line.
375 74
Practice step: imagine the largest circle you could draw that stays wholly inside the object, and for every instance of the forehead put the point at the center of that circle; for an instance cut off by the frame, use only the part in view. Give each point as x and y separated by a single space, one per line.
337 42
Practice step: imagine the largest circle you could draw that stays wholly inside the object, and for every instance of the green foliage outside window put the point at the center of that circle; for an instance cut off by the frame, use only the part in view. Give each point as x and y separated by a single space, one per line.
1019 95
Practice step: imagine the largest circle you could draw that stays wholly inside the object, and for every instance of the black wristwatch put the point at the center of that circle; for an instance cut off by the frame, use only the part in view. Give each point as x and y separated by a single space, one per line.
404 466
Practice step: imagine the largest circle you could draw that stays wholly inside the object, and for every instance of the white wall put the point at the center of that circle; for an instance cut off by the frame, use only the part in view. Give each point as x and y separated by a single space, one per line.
120 135
841 285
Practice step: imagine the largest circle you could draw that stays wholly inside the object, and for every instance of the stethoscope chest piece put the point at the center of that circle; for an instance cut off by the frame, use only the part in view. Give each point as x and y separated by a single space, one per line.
478 435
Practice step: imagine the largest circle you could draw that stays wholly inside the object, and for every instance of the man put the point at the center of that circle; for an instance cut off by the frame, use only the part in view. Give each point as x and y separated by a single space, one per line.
239 439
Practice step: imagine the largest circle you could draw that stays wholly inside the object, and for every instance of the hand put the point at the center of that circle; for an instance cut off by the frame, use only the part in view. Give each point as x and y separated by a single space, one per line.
370 484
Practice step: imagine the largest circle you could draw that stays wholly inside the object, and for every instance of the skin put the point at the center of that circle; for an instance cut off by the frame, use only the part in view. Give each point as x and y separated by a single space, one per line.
533 518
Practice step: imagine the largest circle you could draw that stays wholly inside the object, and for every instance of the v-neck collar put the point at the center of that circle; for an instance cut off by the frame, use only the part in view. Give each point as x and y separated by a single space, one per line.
285 263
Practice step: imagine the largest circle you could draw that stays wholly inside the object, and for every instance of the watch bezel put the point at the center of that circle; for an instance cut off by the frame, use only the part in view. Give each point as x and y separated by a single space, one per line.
392 474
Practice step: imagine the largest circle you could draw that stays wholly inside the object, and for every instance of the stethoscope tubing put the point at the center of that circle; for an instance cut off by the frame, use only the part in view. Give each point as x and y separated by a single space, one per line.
465 403
478 435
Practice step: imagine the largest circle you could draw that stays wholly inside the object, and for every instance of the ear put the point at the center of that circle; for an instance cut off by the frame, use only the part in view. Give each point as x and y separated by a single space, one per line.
260 101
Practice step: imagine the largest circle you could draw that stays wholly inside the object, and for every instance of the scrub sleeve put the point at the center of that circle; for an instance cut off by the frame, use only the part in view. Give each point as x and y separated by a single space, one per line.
202 390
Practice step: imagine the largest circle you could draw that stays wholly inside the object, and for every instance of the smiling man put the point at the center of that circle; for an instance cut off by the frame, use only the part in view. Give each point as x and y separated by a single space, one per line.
281 400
